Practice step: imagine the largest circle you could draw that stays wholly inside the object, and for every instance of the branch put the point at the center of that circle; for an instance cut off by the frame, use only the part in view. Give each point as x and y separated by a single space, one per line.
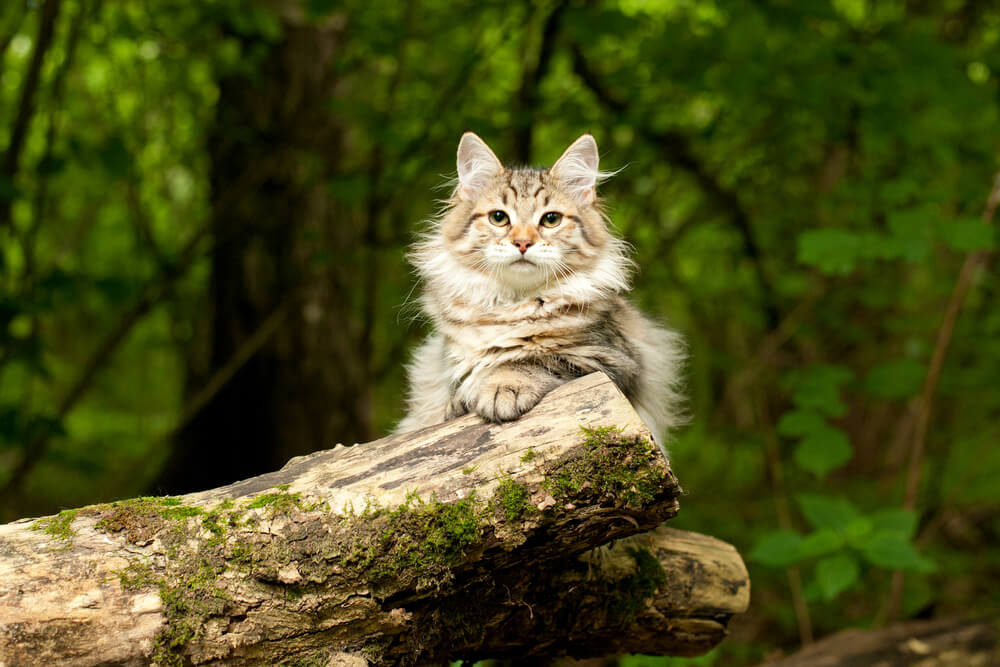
459 541
677 149
26 107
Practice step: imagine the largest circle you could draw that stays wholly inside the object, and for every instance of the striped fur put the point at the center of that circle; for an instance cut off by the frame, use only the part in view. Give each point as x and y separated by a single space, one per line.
510 325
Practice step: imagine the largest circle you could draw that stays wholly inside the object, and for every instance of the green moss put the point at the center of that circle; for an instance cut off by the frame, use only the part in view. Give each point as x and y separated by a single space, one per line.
422 539
281 502
468 470
142 518
187 588
137 575
529 455
512 498
59 527
625 469
189 600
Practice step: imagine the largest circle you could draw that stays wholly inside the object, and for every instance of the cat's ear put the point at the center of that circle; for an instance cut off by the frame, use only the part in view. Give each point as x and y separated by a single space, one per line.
477 165
577 169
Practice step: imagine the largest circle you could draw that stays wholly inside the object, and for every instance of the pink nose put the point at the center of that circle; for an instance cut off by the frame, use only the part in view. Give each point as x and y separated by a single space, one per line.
522 244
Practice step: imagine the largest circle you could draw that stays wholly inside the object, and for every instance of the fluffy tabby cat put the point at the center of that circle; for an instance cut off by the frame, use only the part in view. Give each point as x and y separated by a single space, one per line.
524 284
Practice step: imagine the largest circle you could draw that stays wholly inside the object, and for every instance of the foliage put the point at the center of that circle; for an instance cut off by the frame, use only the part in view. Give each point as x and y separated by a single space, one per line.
801 184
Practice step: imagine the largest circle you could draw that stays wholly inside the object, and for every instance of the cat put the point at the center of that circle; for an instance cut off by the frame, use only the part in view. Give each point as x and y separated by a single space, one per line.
524 284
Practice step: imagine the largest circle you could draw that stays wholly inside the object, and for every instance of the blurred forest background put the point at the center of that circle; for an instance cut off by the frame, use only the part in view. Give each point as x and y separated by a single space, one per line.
204 209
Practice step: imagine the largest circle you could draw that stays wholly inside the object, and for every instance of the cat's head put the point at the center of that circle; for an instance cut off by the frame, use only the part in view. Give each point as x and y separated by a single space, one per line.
525 229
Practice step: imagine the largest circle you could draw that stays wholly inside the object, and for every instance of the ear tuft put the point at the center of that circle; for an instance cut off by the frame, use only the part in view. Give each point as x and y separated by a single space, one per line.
577 169
477 165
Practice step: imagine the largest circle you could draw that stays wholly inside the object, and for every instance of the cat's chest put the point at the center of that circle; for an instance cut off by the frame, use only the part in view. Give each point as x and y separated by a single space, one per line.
536 327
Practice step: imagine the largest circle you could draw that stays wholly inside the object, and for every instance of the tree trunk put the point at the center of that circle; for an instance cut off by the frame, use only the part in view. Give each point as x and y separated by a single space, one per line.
460 541
283 246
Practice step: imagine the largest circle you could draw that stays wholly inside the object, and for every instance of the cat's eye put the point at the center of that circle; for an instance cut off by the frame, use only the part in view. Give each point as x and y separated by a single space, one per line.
499 218
551 219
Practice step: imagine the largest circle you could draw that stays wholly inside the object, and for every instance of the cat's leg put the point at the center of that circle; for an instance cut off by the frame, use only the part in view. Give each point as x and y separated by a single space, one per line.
506 392
429 401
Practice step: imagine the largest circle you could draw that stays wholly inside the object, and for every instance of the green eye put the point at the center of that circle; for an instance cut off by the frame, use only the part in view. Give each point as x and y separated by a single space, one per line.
551 219
498 218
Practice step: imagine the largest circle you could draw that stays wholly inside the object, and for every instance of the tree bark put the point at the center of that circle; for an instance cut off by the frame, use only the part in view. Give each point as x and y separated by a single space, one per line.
465 540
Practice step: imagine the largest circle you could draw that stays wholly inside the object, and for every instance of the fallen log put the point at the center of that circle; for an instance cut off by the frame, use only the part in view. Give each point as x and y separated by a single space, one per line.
946 642
461 541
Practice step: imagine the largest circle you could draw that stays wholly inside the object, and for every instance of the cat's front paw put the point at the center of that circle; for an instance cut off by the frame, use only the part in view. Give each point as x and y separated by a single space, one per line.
506 399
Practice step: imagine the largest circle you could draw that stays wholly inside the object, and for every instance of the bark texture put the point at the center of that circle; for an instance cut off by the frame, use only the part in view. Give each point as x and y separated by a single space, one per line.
461 541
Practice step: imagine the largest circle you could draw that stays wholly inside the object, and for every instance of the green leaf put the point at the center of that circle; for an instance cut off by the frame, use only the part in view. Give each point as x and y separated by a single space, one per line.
800 423
893 552
818 388
912 231
835 574
826 512
917 222
899 523
906 248
820 543
900 378
968 235
832 251
777 549
822 451
858 529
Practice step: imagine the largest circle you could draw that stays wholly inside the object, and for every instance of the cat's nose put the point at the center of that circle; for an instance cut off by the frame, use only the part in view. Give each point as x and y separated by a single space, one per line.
523 244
